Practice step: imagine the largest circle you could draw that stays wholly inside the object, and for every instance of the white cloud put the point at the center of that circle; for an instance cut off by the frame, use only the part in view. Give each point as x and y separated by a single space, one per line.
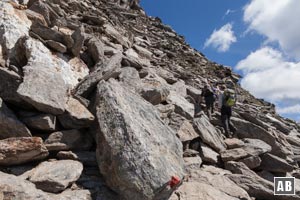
221 39
295 109
268 75
278 20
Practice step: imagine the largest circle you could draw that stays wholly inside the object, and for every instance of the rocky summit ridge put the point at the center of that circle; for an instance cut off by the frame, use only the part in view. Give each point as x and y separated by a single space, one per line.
98 101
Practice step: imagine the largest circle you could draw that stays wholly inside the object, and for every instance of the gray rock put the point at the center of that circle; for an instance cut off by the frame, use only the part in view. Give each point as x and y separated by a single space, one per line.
209 134
10 126
194 93
143 52
245 129
273 163
154 89
113 33
278 124
182 106
232 143
167 75
96 49
165 110
56 46
47 33
187 132
103 72
209 155
13 187
68 140
130 77
254 185
192 163
252 162
256 147
76 115
233 154
13 24
215 177
199 191
78 38
55 176
73 195
131 139
87 158
44 93
9 84
44 122
20 150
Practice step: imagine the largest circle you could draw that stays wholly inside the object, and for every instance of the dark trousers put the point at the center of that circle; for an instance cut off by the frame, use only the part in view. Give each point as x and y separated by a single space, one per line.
225 117
209 102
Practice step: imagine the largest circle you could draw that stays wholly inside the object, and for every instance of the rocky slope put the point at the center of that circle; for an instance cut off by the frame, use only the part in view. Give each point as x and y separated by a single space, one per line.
98 101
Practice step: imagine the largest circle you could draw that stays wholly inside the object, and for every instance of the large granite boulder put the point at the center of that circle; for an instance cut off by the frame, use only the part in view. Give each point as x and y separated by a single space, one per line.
131 140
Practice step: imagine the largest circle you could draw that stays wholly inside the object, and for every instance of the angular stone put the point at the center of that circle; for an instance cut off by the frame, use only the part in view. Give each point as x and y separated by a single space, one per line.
55 176
232 143
143 52
38 89
182 106
112 32
68 140
278 124
10 126
252 162
14 187
199 191
9 84
44 122
215 177
130 77
194 93
78 38
14 24
56 46
273 163
187 132
47 33
233 154
154 89
192 163
87 158
76 115
103 72
20 150
165 110
131 139
280 146
96 49
209 155
209 134
167 75
73 195
44 93
256 147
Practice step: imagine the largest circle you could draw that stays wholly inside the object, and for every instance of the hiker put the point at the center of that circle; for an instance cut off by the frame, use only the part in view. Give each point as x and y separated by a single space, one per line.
228 100
209 97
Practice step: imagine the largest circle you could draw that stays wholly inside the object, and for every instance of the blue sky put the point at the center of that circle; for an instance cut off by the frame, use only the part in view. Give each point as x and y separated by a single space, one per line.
258 38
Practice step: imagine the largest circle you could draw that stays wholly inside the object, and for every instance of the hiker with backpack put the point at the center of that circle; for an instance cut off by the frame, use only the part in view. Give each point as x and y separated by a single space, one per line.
228 100
209 97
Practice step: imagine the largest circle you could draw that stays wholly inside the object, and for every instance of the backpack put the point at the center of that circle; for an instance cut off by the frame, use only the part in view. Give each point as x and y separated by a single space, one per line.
229 97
